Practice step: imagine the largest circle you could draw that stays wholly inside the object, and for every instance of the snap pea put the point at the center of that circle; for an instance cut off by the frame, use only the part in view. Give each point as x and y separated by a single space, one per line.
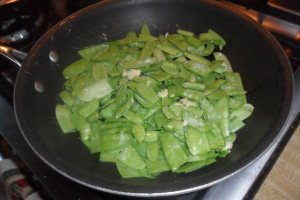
159 55
216 95
160 119
95 90
212 37
114 141
145 35
235 125
197 68
113 124
107 156
191 166
222 110
193 116
173 125
177 109
179 135
181 59
130 64
141 148
66 98
130 38
77 120
236 101
151 136
63 116
129 172
209 112
81 81
147 50
196 50
215 138
234 84
139 132
156 167
214 86
124 108
193 86
226 66
152 151
89 52
99 71
121 94
199 59
169 50
85 131
195 42
196 141
76 68
201 157
208 49
130 115
181 45
185 32
95 138
153 104
109 110
88 108
173 151
131 158
242 112
169 114
193 95
149 95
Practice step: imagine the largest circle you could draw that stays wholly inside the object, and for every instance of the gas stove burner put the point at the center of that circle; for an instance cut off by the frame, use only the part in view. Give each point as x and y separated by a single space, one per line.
20 21
15 36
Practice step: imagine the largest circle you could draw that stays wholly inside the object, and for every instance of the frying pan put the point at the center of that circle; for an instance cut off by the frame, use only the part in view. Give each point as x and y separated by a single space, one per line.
253 52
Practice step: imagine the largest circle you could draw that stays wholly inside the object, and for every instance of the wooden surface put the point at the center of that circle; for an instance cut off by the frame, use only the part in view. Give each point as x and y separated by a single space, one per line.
283 182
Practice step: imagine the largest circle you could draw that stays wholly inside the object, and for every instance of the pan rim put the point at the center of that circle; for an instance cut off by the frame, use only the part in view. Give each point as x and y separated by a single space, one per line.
245 162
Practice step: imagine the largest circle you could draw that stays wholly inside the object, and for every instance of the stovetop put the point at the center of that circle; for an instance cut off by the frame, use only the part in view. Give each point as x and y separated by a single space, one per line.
23 22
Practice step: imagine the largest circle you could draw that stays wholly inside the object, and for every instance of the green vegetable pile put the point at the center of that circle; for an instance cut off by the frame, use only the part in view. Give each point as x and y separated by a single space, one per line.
154 104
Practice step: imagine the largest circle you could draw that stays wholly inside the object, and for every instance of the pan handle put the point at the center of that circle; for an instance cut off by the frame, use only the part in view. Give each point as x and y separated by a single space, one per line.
12 54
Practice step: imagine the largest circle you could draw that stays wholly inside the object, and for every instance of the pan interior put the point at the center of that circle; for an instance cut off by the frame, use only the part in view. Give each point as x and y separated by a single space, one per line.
251 51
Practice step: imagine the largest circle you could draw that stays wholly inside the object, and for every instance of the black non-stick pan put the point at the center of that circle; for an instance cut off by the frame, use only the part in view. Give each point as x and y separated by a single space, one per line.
253 52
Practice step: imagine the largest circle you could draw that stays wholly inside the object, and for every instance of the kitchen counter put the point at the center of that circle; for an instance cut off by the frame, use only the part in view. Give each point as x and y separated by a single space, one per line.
283 182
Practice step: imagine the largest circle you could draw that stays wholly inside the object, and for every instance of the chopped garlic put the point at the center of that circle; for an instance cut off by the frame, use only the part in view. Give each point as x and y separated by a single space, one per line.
131 73
193 80
228 145
148 60
163 94
187 102
185 123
